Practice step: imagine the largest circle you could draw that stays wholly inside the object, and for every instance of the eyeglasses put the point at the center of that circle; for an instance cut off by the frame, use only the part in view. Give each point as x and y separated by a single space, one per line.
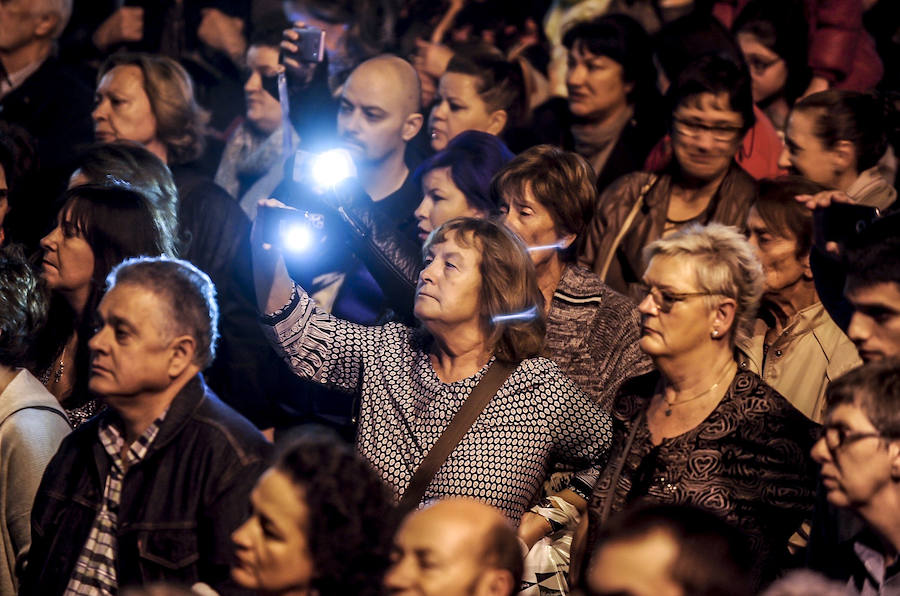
838 436
664 299
692 130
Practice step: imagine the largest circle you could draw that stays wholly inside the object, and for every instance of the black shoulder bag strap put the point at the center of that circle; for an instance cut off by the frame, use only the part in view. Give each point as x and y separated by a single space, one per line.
486 388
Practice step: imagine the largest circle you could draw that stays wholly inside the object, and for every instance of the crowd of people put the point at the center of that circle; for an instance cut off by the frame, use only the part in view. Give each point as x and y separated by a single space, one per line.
352 297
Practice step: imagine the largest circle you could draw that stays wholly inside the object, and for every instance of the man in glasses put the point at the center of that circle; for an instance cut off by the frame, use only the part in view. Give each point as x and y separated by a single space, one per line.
859 452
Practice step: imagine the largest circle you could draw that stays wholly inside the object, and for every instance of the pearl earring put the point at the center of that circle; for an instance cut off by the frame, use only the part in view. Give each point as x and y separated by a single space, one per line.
715 333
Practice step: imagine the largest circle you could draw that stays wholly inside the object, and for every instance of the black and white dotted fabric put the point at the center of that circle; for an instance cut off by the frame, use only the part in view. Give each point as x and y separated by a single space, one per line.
538 417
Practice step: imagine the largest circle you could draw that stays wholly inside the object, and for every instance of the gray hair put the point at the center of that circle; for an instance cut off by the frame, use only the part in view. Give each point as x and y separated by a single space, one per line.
727 266
189 293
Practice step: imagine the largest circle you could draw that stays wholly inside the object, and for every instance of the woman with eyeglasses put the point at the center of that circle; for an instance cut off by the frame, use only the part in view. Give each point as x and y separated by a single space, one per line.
699 430
711 109
773 37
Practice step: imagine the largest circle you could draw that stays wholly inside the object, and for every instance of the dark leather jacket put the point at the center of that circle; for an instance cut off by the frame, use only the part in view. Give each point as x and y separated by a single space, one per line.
728 206
179 504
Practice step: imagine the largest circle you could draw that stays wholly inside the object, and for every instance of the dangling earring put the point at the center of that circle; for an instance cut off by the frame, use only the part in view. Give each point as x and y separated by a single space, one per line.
715 333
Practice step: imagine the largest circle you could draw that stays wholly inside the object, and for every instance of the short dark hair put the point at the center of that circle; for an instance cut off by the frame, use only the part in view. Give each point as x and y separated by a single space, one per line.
508 286
875 388
499 83
350 526
783 214
860 118
473 158
713 559
621 38
715 74
189 293
561 181
23 308
684 40
112 164
873 257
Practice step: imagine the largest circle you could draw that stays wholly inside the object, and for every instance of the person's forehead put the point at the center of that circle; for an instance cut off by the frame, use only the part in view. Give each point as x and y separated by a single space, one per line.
262 55
132 303
851 415
452 244
374 86
882 294
125 76
710 106
457 83
438 533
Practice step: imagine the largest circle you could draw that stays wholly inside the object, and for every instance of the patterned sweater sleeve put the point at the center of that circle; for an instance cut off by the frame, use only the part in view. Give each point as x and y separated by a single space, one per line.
318 346
581 431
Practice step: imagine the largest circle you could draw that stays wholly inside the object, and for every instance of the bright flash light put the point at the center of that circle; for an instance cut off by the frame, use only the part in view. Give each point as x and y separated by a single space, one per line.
331 168
297 238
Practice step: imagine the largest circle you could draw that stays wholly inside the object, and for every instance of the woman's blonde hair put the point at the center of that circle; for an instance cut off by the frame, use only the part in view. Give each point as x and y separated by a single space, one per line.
180 121
512 306
724 265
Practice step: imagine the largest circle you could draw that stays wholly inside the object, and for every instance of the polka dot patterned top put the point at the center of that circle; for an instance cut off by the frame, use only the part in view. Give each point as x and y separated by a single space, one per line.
538 418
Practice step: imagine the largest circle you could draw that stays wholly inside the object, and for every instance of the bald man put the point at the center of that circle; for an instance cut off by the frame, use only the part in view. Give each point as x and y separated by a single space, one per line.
378 115
456 547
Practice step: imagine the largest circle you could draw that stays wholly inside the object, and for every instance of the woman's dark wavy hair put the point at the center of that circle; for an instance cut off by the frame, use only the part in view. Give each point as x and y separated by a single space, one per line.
23 308
780 26
117 222
621 38
350 527
473 158
512 306
112 164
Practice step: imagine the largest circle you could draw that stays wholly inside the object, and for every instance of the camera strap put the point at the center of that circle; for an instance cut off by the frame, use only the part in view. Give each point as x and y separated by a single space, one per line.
286 126
465 417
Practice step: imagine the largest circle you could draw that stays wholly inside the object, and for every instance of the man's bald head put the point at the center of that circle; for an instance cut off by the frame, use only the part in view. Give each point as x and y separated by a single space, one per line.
471 543
399 80
379 110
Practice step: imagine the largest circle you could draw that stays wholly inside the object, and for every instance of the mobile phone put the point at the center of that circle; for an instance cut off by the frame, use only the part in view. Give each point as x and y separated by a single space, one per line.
291 230
310 44
841 222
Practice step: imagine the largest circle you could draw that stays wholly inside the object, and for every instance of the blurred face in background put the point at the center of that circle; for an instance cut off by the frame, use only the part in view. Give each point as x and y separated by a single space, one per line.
768 70
782 266
596 84
706 134
458 107
122 110
260 88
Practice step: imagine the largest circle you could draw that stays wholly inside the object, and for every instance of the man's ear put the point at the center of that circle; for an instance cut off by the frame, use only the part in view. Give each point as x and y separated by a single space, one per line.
497 122
412 126
46 24
182 351
496 582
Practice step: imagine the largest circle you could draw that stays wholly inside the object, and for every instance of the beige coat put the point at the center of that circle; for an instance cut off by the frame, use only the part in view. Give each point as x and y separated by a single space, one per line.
810 353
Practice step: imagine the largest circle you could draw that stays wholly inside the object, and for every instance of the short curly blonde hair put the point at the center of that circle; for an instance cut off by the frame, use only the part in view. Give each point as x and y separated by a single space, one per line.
724 265
180 121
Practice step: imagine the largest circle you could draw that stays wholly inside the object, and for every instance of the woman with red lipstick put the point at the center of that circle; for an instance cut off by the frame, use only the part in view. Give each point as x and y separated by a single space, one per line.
97 228
699 430
711 109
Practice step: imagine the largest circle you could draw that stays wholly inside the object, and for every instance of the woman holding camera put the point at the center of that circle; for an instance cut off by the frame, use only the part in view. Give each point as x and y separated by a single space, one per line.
479 305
